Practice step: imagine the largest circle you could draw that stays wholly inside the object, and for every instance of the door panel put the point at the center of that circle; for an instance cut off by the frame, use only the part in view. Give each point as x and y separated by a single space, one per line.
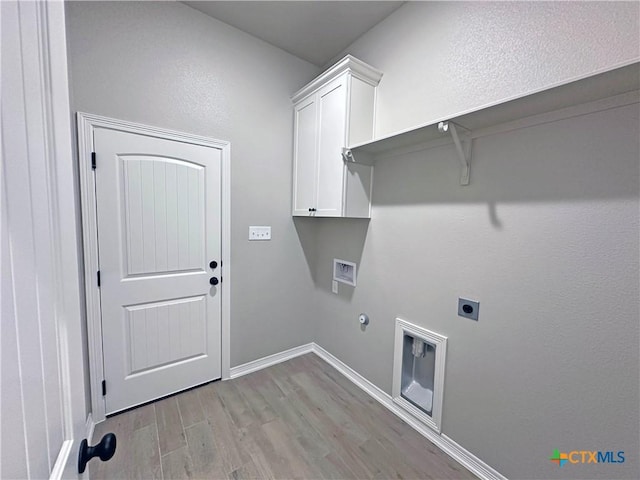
332 105
165 333
305 157
158 206
164 215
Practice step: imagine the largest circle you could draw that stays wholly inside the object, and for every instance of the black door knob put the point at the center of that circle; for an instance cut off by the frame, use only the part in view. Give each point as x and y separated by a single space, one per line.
213 281
103 450
213 264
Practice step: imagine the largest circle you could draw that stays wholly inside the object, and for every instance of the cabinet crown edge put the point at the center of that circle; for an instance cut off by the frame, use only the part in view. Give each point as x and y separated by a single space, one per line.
349 63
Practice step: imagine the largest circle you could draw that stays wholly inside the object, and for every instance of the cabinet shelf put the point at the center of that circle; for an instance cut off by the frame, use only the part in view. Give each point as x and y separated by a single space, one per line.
622 83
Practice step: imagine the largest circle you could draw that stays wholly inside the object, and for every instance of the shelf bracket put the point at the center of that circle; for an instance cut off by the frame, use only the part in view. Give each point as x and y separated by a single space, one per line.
463 147
361 158
347 155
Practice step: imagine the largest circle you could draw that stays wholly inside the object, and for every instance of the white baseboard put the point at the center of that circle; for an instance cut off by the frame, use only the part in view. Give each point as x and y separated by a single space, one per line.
65 461
91 425
64 457
455 451
274 359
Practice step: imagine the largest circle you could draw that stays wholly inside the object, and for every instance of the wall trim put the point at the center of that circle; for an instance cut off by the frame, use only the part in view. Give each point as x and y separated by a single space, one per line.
64 458
447 445
90 428
270 360
349 63
87 123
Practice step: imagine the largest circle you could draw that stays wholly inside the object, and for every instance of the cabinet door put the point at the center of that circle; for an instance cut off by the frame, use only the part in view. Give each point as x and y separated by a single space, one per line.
332 115
304 156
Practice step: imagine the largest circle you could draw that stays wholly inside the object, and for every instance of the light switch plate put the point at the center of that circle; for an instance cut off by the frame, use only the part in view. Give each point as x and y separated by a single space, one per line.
259 233
334 287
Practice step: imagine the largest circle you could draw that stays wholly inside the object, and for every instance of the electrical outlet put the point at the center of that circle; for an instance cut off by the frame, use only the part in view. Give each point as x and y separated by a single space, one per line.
259 233
468 308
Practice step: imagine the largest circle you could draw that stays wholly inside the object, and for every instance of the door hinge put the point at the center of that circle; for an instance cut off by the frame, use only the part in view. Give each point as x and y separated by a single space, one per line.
93 160
104 387
98 277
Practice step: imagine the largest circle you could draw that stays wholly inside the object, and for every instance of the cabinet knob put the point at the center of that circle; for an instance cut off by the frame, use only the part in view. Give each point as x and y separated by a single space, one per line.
312 209
213 281
213 264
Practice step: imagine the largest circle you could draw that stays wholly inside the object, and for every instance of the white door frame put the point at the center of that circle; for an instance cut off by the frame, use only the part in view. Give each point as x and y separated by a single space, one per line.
87 123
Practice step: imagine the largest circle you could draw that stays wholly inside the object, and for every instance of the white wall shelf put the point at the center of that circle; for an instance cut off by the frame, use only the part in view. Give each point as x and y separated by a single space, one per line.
622 83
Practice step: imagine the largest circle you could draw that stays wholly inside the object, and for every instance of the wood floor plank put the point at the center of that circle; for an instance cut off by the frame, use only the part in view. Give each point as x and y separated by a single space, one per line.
256 445
327 410
170 428
249 471
383 461
292 461
300 419
340 469
124 426
235 404
143 460
226 435
205 458
177 465
250 388
281 375
190 408
350 455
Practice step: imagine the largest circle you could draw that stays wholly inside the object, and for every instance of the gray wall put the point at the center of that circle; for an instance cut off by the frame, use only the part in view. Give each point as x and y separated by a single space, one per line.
441 58
545 237
165 64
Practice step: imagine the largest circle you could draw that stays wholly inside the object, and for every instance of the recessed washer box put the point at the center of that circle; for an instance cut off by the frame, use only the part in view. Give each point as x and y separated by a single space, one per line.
344 271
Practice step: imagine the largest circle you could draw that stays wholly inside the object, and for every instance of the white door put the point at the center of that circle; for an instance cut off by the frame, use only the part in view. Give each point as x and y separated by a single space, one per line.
159 228
42 405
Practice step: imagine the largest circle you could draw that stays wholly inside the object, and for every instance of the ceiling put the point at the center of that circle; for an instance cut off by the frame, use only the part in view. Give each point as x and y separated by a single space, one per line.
314 31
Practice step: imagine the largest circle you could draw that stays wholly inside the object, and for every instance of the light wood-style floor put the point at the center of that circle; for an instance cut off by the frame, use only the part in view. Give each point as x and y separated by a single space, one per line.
300 419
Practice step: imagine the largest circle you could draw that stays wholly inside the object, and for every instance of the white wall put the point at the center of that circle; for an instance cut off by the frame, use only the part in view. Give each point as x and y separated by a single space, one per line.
165 64
546 236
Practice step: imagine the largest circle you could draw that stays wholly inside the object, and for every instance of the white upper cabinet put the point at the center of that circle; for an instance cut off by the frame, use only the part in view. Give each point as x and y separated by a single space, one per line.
331 113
